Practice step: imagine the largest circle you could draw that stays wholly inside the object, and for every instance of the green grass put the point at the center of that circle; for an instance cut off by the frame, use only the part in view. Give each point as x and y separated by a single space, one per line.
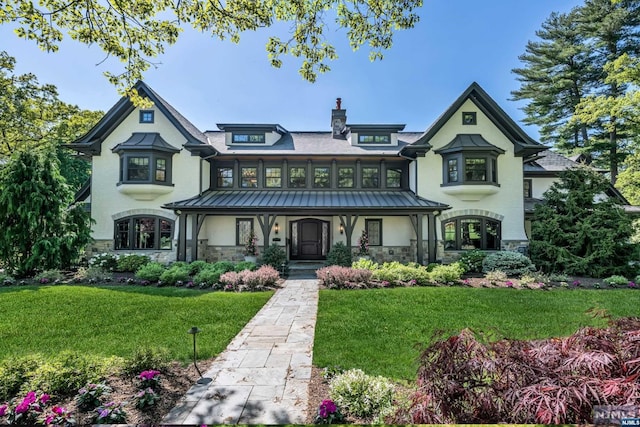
117 320
382 331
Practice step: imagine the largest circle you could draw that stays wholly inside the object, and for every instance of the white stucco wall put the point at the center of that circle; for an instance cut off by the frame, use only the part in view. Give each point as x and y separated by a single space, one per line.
506 202
108 202
540 185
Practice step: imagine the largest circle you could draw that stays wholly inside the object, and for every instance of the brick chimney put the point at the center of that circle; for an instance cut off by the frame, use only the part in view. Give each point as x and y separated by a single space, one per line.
338 119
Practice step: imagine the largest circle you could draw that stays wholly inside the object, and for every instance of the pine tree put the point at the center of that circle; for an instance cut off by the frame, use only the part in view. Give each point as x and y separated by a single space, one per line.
39 228
577 231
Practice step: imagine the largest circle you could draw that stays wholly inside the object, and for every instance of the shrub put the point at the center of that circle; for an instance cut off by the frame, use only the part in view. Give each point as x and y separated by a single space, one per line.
49 276
362 395
274 256
512 263
110 413
265 277
145 359
146 398
92 275
197 266
231 281
131 262
471 261
616 281
106 261
447 274
90 396
6 280
149 379
224 266
401 274
339 255
364 264
337 277
496 276
151 271
175 274
245 265
28 412
208 276
14 372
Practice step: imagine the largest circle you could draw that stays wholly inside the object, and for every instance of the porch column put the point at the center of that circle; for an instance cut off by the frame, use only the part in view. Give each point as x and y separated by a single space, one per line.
416 221
194 237
266 222
431 219
348 222
182 237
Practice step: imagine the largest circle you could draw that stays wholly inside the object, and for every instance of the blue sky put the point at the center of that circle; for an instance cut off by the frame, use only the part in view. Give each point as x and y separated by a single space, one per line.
211 81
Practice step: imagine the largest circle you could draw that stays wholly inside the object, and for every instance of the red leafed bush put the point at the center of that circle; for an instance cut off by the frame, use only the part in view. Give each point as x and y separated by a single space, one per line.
553 381
264 277
336 277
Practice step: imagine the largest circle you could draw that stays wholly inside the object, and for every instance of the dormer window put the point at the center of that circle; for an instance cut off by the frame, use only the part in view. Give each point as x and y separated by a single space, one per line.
365 138
469 159
146 116
248 138
145 158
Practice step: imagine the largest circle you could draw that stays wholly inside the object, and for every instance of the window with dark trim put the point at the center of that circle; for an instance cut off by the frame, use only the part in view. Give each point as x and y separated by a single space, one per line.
321 177
146 116
244 226
150 167
465 233
248 138
452 170
273 177
394 178
370 177
527 187
374 231
224 177
365 138
475 169
249 177
297 177
469 118
470 168
143 232
346 177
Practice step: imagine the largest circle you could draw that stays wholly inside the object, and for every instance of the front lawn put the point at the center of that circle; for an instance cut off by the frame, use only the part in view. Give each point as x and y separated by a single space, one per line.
117 320
381 331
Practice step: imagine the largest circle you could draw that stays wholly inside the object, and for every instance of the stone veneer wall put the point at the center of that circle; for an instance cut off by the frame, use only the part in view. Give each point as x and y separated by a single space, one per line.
506 245
102 246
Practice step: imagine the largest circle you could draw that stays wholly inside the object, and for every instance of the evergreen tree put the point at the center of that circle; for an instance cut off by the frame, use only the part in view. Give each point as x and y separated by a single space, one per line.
578 231
39 228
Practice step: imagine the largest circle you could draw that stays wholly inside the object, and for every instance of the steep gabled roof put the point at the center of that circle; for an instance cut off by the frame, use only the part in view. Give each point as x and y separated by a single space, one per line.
91 142
524 144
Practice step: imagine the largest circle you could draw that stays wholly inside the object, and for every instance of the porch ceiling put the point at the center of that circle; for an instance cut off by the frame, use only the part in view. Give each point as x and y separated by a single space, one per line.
292 201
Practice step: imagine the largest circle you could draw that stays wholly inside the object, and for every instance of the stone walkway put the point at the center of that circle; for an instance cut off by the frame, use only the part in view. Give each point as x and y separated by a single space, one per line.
263 375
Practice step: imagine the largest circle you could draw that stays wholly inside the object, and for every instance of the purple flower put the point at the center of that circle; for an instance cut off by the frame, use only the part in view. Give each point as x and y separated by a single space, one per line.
48 420
327 407
148 375
3 410
22 407
30 397
58 410
632 285
104 413
45 398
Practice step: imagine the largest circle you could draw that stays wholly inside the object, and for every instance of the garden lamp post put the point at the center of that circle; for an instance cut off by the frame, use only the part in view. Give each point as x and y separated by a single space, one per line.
194 331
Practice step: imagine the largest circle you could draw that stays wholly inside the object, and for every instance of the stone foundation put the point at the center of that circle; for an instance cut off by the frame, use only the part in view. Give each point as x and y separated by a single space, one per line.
382 254
106 246
448 257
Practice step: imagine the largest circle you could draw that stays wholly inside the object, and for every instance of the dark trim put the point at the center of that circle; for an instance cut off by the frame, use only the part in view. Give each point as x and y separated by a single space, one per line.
483 232
130 221
366 227
239 242
469 118
147 113
529 193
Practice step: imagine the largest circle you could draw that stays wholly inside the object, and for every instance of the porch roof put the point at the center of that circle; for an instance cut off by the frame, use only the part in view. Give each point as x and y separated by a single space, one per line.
302 201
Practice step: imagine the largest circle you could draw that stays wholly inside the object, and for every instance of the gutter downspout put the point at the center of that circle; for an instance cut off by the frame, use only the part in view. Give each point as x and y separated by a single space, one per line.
414 163
200 173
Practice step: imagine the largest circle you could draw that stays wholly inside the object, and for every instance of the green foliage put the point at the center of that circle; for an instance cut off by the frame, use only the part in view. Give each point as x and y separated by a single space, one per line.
364 264
40 229
145 359
616 281
208 276
471 261
151 271
49 276
362 395
274 256
224 266
398 273
339 255
131 262
89 397
245 265
576 232
107 261
174 274
510 263
92 274
447 274
14 372
196 267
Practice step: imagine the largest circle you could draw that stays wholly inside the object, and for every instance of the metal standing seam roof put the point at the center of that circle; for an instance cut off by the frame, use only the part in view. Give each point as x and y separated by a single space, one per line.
306 199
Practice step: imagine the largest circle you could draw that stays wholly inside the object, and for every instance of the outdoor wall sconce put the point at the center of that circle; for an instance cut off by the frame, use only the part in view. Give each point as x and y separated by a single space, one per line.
341 229
276 228
194 331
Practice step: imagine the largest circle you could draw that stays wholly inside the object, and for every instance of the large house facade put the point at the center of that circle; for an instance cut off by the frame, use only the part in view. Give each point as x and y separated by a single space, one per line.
162 187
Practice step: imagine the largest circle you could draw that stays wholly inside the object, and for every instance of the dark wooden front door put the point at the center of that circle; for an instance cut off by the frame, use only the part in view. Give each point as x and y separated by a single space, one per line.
309 239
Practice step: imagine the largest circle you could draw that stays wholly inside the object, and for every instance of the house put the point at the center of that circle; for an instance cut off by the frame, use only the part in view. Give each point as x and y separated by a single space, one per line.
162 187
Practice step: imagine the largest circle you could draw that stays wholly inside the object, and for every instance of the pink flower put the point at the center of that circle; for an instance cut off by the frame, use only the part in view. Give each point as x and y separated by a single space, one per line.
49 419
326 408
31 397
22 407
58 410
3 410
44 398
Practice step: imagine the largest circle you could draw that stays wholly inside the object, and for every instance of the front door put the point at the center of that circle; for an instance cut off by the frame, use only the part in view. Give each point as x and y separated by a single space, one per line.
309 239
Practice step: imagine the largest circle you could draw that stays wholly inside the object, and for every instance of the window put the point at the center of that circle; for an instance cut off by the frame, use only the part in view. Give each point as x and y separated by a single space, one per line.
249 177
321 177
139 233
364 138
370 177
528 188
452 170
248 138
345 177
273 177
150 168
470 168
394 178
297 177
465 233
469 118
243 228
475 169
161 170
146 116
374 231
138 169
224 177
